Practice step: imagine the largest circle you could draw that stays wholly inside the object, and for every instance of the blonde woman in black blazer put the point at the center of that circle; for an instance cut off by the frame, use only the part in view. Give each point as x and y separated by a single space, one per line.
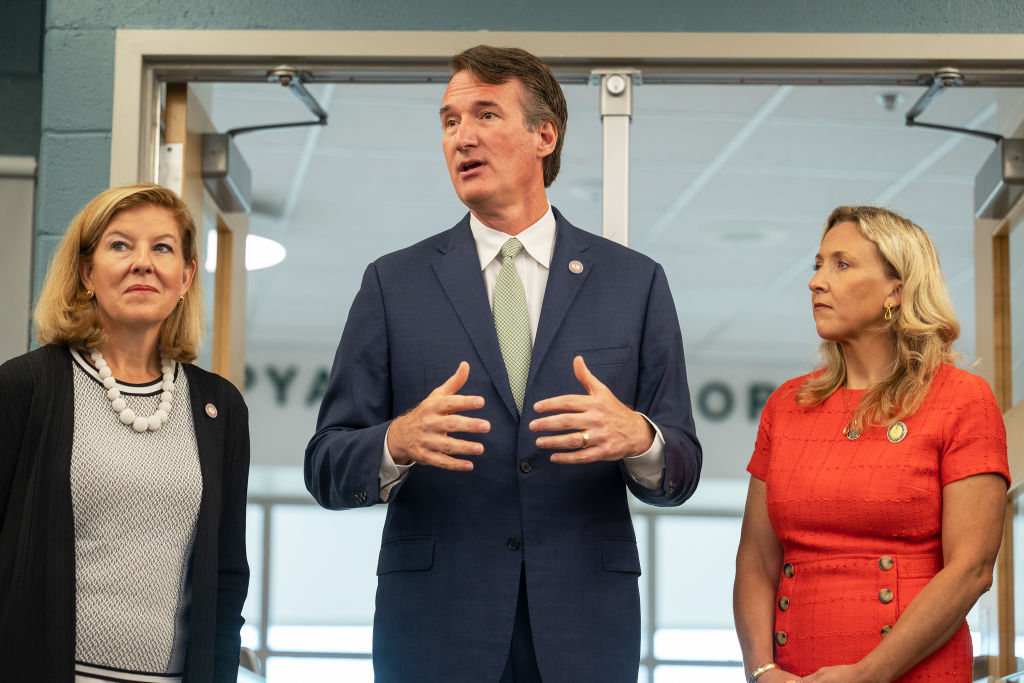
123 467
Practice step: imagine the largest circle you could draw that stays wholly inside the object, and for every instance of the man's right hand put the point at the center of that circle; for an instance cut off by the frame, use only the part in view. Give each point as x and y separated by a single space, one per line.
421 435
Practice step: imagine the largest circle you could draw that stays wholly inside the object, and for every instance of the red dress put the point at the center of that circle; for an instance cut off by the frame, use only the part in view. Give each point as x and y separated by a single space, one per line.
860 521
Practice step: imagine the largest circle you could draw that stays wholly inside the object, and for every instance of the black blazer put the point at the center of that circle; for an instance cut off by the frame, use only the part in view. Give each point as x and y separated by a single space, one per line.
37 565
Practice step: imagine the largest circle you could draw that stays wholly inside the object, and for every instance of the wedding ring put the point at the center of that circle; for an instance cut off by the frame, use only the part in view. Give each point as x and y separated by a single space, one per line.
586 439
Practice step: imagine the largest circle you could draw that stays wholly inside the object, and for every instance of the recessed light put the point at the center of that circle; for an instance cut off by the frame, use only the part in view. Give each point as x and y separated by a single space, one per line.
260 252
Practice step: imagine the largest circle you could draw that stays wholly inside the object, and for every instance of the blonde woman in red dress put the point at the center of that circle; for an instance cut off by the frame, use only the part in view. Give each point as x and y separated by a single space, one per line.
878 482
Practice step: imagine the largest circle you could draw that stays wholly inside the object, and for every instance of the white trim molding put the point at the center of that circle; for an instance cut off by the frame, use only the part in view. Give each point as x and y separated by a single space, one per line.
708 57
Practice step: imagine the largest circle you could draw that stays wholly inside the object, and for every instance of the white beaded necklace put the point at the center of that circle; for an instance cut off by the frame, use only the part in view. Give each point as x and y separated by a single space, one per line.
120 406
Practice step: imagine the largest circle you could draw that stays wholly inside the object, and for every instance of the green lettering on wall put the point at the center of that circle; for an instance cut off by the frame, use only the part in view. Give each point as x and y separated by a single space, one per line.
318 388
715 401
758 393
281 382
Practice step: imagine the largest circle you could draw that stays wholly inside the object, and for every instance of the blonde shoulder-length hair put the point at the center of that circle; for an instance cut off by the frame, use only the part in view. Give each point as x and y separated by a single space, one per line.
66 314
923 327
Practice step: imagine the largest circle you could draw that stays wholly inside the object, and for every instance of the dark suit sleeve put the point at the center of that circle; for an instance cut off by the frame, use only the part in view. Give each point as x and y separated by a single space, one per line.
232 567
664 396
344 456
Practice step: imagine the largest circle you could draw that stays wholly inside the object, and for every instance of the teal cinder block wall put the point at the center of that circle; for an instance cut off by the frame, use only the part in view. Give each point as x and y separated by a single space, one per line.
77 83
21 76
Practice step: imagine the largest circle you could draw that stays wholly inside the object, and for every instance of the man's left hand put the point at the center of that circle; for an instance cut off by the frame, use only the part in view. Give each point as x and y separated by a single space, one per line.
603 428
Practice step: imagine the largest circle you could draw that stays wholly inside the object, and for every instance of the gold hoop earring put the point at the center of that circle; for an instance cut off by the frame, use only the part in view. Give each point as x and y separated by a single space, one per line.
888 311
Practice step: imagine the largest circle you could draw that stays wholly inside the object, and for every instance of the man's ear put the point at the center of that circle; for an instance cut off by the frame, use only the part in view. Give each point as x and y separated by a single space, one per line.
547 138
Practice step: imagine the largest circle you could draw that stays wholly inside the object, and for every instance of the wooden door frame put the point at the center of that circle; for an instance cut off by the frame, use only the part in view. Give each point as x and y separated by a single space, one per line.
185 120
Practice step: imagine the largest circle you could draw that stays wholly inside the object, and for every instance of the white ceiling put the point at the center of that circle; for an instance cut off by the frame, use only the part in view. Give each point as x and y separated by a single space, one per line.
729 189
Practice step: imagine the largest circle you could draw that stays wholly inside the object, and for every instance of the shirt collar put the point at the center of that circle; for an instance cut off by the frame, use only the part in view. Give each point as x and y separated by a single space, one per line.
538 239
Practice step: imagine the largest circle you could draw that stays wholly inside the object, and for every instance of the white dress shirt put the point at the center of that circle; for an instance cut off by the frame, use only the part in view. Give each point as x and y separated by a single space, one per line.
533 264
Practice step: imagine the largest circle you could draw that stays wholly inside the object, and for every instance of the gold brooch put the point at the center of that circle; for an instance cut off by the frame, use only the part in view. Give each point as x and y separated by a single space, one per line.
897 432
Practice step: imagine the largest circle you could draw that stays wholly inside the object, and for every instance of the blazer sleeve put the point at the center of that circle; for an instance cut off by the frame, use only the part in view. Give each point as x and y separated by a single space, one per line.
15 398
232 567
344 456
664 397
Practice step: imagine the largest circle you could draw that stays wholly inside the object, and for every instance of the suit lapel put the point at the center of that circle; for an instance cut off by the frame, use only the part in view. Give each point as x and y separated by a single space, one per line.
458 271
563 285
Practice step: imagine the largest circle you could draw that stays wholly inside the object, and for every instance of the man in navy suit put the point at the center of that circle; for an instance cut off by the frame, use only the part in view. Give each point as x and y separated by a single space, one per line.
501 385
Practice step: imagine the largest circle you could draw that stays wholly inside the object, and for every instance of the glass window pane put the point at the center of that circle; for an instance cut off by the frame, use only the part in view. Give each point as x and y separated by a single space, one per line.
705 644
983 623
305 638
254 553
577 190
246 676
641 524
694 588
323 578
704 674
315 670
1018 580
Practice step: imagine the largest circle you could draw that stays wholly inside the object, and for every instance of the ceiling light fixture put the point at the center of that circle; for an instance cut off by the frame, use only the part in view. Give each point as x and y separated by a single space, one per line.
260 252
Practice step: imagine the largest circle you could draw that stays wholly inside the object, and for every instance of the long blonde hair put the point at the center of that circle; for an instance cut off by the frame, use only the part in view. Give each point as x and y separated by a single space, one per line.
65 314
924 326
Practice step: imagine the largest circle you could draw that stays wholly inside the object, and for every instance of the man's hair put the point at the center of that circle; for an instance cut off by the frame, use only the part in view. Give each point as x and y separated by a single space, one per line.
66 314
544 98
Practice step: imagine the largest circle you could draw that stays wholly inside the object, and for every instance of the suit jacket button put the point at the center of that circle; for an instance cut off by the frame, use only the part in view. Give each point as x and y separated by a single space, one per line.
513 543
360 497
885 562
525 467
781 637
788 570
886 629
885 595
783 603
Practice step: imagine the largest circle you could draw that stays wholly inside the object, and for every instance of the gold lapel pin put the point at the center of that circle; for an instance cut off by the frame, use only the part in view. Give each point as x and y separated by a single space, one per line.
897 432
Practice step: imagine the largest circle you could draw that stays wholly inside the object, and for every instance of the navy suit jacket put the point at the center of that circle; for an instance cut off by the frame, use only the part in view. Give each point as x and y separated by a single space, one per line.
454 543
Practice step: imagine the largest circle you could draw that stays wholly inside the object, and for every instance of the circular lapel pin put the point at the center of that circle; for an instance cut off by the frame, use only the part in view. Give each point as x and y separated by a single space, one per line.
211 410
897 432
575 267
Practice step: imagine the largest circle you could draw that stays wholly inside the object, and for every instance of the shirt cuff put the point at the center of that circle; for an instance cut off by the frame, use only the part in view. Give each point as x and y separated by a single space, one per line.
391 473
648 467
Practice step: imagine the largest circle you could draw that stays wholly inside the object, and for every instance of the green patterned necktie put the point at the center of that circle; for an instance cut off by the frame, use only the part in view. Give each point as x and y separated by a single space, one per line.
512 321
